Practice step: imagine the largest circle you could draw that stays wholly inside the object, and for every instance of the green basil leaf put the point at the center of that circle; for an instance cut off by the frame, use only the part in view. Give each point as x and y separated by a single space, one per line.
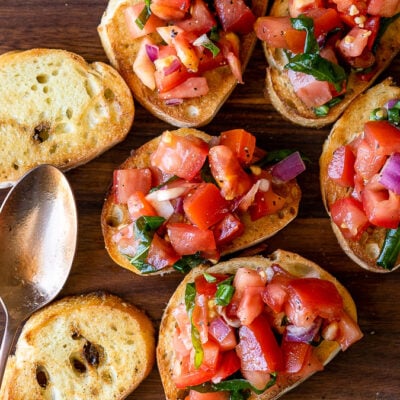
144 15
303 23
323 110
190 296
225 291
186 263
390 249
319 67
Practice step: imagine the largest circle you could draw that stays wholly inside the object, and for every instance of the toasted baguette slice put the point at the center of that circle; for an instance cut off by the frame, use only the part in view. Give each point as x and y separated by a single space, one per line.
57 109
122 50
113 216
93 346
292 263
280 90
366 251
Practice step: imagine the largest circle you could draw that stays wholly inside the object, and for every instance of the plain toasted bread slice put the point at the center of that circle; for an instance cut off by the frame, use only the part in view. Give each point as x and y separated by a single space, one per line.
292 263
94 346
122 50
113 216
280 90
351 124
55 108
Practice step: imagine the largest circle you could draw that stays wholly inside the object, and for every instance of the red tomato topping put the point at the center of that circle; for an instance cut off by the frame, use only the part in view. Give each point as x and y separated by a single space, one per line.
180 155
223 334
235 16
187 239
241 142
131 15
138 206
295 355
201 20
228 365
129 181
228 229
203 286
368 162
193 395
341 167
161 254
382 136
266 203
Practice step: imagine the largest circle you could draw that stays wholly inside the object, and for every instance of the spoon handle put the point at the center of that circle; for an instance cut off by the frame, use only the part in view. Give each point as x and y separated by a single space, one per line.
8 339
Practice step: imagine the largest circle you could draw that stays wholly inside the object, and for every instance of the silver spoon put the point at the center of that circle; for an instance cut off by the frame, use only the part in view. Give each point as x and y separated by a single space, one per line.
38 230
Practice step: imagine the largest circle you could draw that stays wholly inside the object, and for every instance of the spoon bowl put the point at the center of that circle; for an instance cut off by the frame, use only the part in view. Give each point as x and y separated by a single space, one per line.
38 230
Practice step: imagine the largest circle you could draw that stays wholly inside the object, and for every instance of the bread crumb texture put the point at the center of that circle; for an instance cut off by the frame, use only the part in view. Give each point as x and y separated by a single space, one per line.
56 108
84 347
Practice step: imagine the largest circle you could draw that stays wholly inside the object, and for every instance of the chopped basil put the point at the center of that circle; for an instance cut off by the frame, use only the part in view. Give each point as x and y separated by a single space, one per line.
190 296
143 229
144 15
379 114
209 278
225 291
303 23
206 42
214 34
324 109
186 263
394 115
238 388
390 249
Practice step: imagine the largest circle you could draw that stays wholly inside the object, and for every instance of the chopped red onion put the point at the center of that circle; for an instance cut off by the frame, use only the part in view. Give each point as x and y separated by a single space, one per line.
391 103
300 334
289 167
390 175
174 66
152 51
173 102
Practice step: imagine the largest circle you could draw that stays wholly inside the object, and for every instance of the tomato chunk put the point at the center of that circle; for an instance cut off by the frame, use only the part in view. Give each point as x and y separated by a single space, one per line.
235 16
209 288
205 206
295 355
193 395
368 161
161 254
228 229
223 334
341 167
180 155
266 203
228 365
138 206
348 214
187 239
128 181
382 136
132 13
241 142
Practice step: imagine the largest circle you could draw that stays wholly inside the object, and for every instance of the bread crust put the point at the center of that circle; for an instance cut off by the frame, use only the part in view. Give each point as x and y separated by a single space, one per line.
255 231
92 346
121 50
292 263
56 108
279 90
351 124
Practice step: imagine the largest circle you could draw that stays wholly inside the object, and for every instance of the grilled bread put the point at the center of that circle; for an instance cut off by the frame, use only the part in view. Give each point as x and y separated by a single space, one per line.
55 108
92 346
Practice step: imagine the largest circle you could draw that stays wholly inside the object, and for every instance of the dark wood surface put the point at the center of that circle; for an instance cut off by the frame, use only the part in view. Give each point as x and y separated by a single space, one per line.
368 370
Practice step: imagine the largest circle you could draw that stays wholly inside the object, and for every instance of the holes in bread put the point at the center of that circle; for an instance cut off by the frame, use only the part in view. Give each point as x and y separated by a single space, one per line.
42 78
69 113
116 216
77 364
93 353
41 132
109 94
42 376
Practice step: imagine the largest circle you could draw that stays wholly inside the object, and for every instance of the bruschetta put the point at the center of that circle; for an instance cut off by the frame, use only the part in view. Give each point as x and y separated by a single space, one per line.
181 59
252 328
323 54
186 197
360 178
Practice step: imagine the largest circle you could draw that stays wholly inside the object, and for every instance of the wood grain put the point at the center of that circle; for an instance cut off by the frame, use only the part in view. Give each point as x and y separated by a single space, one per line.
368 370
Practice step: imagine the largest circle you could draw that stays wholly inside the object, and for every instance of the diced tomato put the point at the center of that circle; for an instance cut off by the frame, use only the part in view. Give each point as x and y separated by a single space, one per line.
251 305
266 203
129 181
341 167
161 254
372 24
297 7
194 395
171 10
228 365
184 326
228 229
223 334
143 67
245 278
228 173
187 239
381 206
349 331
205 206
138 206
325 20
354 43
295 355
241 142
192 87
368 162
166 82
312 297
180 155
383 8
235 66
275 295
345 5
312 92
258 349
201 20
203 286
200 316
132 13
235 16
349 216
382 136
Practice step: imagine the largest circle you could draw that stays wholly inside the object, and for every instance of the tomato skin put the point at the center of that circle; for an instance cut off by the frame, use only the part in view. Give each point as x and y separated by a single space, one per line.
228 229
187 239
383 8
348 214
241 142
251 305
368 162
235 16
349 330
341 167
208 288
266 203
131 14
138 206
382 136
180 155
295 355
258 349
275 295
222 333
201 20
161 254
128 181
193 395
228 365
